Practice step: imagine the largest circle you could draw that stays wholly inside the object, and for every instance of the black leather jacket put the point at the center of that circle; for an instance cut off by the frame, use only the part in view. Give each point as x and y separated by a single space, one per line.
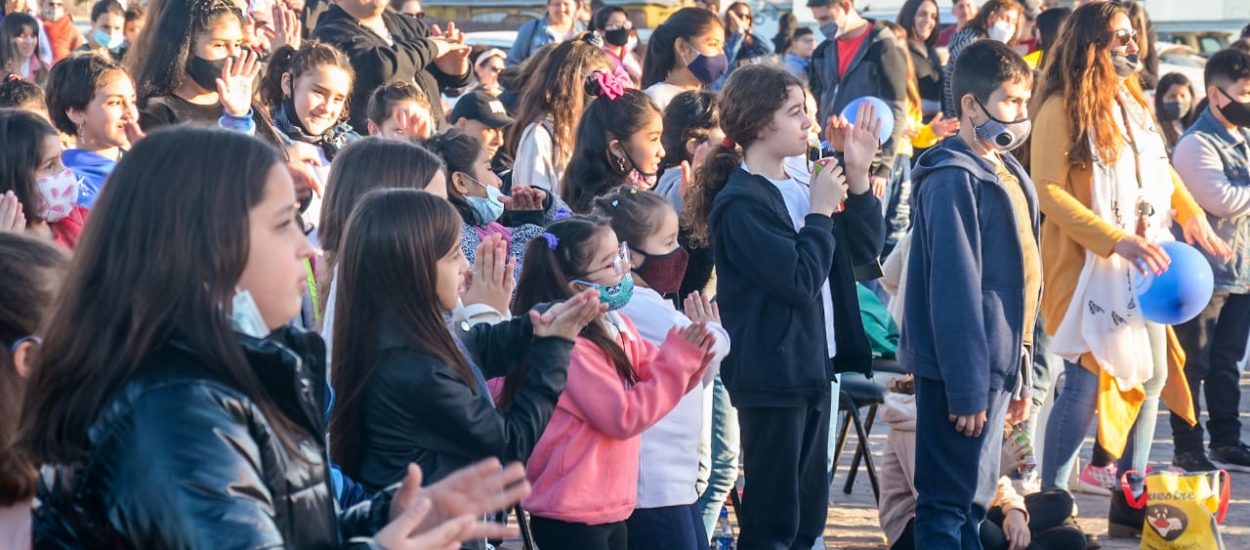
181 458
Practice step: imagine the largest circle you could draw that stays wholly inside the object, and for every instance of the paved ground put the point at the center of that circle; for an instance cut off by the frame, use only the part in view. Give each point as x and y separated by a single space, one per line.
853 518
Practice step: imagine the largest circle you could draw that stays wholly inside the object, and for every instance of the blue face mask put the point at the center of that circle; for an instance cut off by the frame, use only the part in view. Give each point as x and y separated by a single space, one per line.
488 208
829 30
709 69
106 40
617 295
245 317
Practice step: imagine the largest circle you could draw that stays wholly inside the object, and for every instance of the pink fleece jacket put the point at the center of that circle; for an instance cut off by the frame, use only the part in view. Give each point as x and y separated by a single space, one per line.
585 467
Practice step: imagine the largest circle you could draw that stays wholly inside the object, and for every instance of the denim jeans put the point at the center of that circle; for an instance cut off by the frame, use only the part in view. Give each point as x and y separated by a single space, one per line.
1075 408
897 206
1045 364
726 441
1214 343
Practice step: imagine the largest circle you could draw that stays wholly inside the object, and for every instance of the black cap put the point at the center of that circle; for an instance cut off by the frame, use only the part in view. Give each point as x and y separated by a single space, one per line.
482 107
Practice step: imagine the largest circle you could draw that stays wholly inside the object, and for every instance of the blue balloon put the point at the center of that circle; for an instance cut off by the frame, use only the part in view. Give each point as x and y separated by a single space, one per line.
1180 293
884 114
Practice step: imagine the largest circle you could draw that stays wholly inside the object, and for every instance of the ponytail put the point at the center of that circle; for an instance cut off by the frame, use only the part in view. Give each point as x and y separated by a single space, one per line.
270 87
685 23
709 179
552 261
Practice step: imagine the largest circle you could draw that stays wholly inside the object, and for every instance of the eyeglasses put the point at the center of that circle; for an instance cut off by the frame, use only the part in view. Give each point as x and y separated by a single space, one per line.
1123 36
620 265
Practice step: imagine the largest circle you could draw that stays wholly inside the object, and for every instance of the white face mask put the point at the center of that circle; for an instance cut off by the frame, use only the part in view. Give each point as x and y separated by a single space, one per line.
1002 31
57 196
245 317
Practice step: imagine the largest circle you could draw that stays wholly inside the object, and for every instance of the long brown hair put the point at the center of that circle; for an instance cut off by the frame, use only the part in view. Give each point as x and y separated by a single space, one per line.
365 165
388 277
31 270
981 23
913 87
1078 71
142 276
547 276
557 90
747 104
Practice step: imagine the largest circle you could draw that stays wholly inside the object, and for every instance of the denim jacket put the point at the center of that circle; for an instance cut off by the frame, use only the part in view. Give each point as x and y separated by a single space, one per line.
1227 202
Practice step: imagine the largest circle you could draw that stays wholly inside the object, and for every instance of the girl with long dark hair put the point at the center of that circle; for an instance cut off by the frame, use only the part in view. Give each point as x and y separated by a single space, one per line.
409 389
684 54
187 366
618 143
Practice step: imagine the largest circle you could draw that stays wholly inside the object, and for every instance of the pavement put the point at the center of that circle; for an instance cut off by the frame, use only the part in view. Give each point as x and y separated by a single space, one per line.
853 525
853 522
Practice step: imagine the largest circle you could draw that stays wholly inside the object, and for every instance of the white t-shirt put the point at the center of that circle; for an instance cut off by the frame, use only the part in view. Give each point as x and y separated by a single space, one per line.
669 453
535 164
798 198
662 93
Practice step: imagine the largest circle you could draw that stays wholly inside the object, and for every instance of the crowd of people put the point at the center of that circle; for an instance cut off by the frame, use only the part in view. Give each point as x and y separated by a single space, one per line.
318 273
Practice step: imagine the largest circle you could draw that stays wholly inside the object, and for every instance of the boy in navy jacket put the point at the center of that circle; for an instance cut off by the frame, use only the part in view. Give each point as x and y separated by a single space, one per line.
974 282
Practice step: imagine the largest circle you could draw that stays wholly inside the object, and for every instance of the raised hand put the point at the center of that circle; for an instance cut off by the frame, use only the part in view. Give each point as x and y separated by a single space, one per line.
452 55
860 146
944 127
701 310
524 199
12 219
835 132
698 335
414 125
567 319
287 30
234 88
490 281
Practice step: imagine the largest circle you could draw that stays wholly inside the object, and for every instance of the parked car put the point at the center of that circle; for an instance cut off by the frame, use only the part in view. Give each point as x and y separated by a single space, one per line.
1179 58
1204 37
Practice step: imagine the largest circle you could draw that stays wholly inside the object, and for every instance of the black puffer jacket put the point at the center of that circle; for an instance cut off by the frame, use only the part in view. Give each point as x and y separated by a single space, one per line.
181 458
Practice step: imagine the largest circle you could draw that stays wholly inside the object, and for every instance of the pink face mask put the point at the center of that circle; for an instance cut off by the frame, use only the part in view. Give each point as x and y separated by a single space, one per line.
57 196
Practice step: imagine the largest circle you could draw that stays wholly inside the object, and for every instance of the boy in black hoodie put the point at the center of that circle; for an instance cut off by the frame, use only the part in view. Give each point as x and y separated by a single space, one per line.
973 286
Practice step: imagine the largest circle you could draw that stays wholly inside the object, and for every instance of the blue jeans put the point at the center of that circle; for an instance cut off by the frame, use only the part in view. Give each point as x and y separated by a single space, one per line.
960 473
724 458
675 527
1045 365
1075 408
897 205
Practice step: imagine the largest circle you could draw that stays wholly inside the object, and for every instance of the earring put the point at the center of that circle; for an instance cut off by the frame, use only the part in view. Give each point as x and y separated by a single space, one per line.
620 164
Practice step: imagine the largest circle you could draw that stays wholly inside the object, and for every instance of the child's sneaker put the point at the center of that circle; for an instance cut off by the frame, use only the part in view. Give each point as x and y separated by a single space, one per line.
1098 481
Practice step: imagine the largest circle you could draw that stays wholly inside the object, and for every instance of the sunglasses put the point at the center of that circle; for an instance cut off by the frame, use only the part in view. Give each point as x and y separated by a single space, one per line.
1124 36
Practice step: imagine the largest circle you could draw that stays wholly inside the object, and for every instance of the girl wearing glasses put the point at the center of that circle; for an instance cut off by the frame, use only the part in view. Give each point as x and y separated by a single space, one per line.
618 42
585 466
1107 192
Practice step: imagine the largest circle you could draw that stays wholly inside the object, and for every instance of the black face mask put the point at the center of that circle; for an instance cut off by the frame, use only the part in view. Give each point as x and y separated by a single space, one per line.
205 72
1125 65
1173 110
664 273
618 37
1235 112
